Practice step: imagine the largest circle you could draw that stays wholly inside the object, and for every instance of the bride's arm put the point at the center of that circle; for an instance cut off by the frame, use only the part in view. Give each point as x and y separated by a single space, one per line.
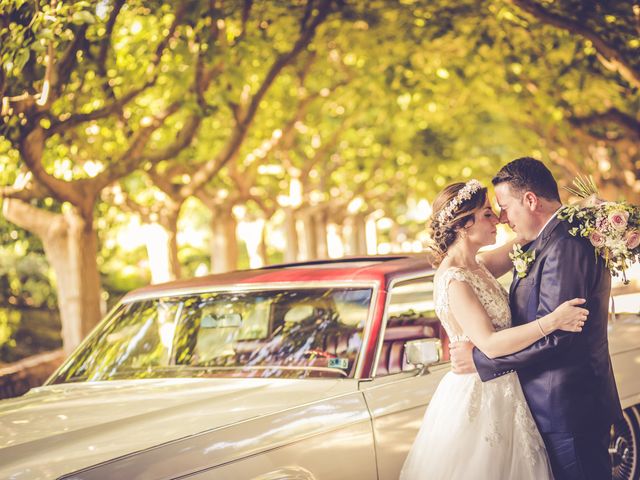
472 317
497 260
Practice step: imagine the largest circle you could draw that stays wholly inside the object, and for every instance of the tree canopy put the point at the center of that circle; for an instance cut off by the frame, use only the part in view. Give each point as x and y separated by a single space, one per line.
298 118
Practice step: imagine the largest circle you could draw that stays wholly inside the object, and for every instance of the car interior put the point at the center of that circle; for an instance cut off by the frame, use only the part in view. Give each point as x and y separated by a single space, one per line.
402 329
411 316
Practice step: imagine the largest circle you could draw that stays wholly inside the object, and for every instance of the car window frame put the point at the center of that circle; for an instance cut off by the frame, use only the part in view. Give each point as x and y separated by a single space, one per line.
428 275
307 284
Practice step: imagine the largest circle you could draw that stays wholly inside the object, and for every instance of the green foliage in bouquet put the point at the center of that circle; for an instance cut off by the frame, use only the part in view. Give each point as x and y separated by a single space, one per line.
613 228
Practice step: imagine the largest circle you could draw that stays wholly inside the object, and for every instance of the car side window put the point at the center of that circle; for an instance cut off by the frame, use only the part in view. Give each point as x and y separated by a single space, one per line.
410 316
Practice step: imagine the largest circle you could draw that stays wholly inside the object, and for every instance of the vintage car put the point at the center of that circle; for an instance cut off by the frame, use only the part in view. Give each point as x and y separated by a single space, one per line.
296 371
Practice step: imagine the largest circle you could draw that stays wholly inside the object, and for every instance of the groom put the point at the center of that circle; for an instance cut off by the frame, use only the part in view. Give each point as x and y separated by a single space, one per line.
566 377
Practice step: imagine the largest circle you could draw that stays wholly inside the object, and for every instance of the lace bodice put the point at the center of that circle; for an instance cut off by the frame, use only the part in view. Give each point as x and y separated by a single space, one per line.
491 294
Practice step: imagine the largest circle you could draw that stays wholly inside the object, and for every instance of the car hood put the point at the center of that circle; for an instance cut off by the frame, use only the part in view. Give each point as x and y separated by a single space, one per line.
61 428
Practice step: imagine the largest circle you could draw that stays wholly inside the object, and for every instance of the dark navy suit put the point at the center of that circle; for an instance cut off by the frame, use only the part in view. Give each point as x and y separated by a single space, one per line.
566 377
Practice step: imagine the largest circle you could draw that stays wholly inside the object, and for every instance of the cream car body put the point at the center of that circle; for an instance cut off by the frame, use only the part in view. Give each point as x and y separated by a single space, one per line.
358 423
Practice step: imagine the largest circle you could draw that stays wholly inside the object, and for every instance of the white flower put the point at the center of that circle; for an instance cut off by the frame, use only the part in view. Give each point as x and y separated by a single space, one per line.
465 193
520 264
522 260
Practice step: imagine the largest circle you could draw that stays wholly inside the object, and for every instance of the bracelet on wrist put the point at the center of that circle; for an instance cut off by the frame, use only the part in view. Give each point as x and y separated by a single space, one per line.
544 334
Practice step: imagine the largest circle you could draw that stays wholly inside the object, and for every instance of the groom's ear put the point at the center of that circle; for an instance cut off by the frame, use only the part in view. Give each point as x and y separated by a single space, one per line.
530 200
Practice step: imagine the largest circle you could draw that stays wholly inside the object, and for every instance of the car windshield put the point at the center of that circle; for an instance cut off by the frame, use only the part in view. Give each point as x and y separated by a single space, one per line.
272 333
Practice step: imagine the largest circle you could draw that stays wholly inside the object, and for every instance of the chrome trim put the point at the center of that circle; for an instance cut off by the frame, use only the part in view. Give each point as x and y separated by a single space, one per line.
367 330
176 319
403 376
393 283
83 343
424 367
239 287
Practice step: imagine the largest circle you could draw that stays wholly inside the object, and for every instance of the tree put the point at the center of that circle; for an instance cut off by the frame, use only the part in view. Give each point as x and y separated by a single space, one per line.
252 59
211 102
81 117
586 110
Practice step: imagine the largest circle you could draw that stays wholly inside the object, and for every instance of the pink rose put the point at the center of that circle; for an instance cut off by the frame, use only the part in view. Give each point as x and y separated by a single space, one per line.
632 239
618 219
597 239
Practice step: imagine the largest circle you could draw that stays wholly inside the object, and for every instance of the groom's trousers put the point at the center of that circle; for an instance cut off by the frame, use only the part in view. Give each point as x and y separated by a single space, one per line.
579 456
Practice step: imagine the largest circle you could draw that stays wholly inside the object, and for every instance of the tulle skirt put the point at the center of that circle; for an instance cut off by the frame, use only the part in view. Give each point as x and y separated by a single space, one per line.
479 430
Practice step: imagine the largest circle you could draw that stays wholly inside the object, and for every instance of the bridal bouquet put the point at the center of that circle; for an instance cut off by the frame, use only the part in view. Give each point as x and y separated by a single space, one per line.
613 228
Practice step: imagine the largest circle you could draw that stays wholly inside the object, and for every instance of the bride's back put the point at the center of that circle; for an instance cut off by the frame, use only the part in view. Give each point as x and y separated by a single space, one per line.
490 293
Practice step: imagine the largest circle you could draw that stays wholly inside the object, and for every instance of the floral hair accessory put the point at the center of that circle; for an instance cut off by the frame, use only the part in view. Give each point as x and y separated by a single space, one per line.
613 228
465 193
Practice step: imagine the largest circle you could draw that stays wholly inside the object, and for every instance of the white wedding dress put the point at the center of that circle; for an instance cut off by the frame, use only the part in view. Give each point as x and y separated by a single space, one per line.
474 429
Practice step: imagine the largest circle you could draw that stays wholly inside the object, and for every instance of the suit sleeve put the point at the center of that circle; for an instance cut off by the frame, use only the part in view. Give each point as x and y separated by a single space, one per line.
566 273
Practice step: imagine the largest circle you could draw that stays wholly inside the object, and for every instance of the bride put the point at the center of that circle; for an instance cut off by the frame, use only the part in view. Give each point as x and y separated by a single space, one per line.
473 429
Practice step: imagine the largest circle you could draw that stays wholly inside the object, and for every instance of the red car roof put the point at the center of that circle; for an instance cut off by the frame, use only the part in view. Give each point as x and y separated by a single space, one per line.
382 269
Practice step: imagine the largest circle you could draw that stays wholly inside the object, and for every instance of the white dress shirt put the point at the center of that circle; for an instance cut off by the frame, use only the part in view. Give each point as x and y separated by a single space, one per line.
550 218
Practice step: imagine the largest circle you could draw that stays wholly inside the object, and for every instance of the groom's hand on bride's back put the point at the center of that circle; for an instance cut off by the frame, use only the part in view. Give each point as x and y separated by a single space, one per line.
461 354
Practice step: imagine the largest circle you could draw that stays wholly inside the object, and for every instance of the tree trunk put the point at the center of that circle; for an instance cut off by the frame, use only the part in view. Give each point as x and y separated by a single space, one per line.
262 247
224 241
310 239
169 222
70 245
292 250
355 235
157 243
251 234
321 233
348 237
394 238
335 240
83 253
371 236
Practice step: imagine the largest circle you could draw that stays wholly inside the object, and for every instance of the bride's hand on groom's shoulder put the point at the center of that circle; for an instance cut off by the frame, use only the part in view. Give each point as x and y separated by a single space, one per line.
461 354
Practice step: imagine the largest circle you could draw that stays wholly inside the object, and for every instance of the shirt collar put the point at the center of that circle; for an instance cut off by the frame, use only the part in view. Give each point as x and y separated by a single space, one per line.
548 221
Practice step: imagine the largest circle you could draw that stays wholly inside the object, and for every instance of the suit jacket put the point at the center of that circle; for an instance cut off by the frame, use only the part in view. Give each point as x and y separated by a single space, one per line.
566 377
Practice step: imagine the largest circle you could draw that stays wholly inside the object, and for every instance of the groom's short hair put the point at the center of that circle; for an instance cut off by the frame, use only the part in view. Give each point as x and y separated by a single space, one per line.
528 174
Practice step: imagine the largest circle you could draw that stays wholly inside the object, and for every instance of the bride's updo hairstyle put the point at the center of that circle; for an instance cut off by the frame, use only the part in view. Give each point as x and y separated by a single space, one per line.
453 209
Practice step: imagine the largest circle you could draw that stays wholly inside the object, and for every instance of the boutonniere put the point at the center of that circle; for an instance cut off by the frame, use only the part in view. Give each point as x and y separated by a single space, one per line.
522 260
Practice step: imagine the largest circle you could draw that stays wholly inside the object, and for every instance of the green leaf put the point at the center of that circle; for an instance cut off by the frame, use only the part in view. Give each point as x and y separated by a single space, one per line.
47 34
82 17
21 59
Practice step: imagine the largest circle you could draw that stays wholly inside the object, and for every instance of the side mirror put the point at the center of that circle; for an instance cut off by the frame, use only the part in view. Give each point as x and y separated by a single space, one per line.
424 352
